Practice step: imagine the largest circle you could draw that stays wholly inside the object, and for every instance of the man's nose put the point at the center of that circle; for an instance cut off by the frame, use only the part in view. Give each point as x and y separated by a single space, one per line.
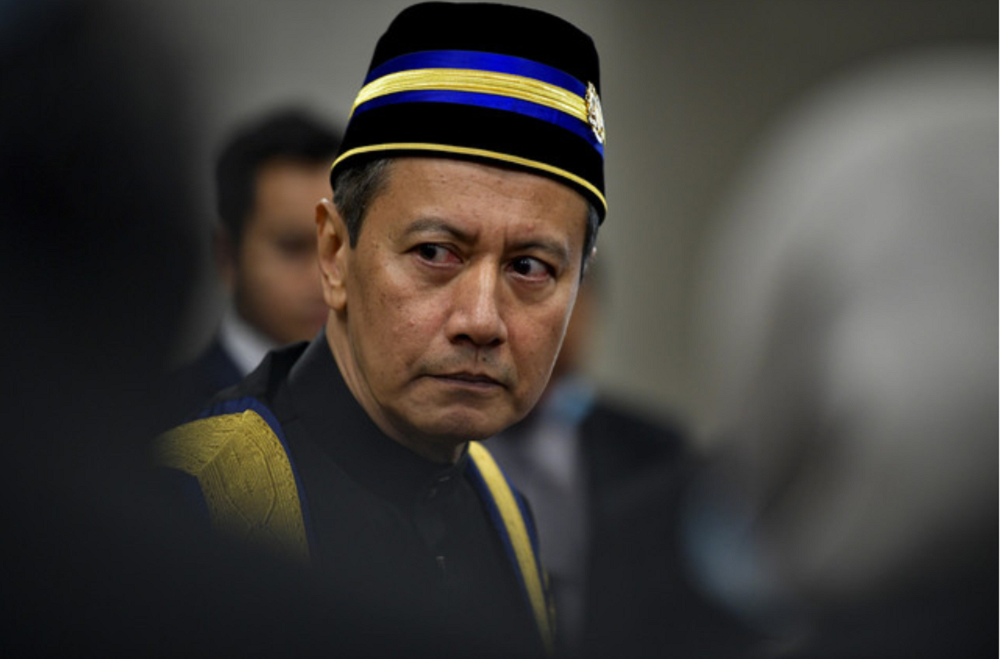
476 317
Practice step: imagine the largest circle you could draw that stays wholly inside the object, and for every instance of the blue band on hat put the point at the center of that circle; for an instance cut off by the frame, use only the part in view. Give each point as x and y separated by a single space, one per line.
492 101
469 59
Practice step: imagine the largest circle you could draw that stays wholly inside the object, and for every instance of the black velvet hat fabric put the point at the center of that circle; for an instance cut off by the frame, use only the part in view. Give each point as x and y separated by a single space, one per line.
495 83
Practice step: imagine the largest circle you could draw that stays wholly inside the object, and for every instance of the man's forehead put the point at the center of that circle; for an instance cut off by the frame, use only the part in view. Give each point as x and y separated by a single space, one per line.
453 195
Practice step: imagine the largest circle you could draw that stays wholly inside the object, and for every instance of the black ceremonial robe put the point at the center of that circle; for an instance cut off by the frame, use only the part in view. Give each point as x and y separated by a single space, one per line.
428 548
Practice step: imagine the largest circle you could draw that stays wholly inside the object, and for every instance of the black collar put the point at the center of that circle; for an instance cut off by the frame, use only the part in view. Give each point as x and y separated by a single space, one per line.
338 424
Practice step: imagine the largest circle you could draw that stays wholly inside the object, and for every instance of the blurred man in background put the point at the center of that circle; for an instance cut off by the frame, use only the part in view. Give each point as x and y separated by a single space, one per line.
269 177
605 483
575 453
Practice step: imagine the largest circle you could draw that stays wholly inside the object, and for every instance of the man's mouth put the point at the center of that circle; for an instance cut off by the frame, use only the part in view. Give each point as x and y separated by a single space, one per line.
478 380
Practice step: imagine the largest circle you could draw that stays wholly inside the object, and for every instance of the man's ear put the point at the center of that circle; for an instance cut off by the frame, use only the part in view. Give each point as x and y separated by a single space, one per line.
334 248
224 253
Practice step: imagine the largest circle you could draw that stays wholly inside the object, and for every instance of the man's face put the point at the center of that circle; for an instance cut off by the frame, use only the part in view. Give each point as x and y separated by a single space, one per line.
277 287
456 297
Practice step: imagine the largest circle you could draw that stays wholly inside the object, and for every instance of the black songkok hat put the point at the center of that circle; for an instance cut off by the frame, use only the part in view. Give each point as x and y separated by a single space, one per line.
487 82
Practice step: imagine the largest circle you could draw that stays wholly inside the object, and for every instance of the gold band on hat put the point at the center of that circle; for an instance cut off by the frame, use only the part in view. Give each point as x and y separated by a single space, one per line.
481 153
476 81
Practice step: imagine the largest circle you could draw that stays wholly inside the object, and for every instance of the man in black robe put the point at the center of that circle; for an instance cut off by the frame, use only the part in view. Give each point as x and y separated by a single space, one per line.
467 197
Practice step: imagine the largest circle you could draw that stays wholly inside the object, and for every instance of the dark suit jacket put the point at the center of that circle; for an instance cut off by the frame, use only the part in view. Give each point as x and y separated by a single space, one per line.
641 600
194 384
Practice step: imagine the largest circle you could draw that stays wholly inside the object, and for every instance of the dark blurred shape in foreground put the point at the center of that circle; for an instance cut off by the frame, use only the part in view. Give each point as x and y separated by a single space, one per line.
850 322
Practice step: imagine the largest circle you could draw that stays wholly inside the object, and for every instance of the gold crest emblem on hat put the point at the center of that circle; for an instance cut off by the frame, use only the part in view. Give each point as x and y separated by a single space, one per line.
595 115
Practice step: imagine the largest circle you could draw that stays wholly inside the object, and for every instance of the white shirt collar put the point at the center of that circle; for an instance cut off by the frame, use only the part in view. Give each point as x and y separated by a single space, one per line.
244 343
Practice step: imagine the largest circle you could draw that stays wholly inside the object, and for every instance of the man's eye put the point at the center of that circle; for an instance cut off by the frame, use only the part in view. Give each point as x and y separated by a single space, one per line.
434 253
531 268
296 246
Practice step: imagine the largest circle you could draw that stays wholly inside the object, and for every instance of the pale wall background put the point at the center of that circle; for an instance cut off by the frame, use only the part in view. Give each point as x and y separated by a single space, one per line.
688 89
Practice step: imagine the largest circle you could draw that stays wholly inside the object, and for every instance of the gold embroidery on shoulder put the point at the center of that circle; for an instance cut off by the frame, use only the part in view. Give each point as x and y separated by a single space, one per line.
245 476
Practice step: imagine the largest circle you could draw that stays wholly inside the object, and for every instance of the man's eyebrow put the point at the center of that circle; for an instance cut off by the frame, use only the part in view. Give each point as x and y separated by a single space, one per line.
556 249
436 225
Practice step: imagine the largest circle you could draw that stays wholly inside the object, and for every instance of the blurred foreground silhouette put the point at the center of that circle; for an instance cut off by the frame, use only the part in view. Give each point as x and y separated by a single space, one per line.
849 327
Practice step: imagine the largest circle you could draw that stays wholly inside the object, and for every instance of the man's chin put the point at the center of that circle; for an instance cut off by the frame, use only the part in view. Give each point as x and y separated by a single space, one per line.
459 427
